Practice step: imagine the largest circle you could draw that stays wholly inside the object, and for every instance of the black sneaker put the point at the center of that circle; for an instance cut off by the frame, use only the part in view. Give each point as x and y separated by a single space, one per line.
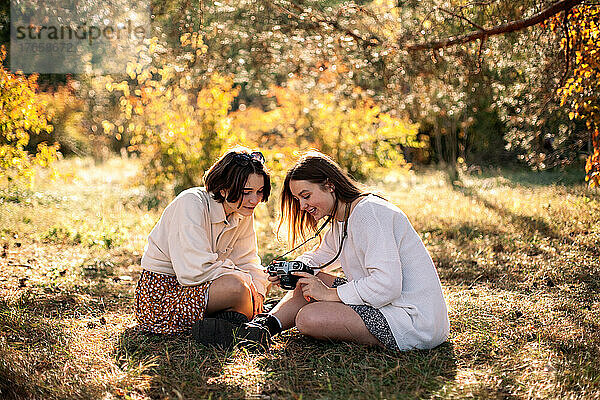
214 332
221 333
253 335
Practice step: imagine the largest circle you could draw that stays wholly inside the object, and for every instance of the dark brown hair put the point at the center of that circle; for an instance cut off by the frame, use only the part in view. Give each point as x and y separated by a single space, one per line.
318 168
231 172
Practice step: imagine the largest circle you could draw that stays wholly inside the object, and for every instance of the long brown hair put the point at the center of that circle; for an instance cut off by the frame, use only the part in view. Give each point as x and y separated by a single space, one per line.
317 168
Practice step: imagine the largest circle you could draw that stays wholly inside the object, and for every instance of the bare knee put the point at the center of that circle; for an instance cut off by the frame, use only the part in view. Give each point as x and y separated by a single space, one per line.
237 287
309 322
231 292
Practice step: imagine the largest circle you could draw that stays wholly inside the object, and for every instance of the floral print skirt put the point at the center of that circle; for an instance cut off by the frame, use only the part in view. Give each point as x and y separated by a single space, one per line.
163 305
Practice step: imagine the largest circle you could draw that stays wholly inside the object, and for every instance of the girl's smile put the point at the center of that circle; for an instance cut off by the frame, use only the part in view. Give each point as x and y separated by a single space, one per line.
316 199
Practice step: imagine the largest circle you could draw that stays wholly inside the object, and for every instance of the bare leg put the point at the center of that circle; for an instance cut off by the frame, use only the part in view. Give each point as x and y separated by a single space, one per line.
287 309
335 321
229 293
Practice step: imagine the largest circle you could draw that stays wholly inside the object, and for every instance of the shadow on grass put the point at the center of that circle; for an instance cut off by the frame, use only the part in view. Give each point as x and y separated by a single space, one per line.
20 333
175 366
88 300
294 366
533 226
577 367
34 352
525 223
312 369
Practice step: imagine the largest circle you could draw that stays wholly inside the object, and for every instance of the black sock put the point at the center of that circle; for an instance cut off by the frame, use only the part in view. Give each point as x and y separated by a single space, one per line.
234 317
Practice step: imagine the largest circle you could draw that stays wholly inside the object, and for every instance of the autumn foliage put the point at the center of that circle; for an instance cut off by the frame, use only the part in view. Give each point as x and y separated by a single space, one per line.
21 115
178 134
351 128
582 89
179 123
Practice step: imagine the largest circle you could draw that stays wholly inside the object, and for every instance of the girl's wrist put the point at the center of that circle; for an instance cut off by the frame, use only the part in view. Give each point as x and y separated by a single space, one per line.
333 295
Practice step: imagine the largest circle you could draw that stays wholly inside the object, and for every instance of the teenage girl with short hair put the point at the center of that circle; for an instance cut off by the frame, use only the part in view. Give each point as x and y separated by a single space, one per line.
201 257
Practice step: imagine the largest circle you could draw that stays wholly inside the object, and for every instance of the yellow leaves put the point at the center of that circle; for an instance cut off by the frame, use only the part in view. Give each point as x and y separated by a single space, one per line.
23 112
194 40
138 109
177 134
592 165
130 70
144 76
166 73
46 155
128 109
354 130
223 128
152 45
121 86
185 39
107 126
581 90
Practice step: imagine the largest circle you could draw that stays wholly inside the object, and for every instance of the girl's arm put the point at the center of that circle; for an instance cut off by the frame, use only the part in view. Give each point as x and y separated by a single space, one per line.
245 256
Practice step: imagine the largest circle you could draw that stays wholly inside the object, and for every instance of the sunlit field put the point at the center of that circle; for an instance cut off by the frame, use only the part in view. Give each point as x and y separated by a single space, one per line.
518 254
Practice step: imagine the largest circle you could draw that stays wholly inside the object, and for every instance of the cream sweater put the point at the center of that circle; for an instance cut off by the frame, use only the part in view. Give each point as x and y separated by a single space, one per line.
195 242
389 268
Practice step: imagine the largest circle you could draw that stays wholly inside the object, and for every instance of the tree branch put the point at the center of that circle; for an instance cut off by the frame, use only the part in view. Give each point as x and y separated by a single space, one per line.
567 47
373 40
481 28
512 26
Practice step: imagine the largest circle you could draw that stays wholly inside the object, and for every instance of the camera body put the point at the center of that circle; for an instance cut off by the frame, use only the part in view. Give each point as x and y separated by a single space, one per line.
284 270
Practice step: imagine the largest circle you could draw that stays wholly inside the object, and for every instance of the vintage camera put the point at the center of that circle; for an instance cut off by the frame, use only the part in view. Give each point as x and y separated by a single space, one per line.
283 269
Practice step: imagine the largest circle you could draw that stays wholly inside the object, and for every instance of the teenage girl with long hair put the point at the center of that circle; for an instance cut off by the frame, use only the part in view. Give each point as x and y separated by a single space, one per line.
391 295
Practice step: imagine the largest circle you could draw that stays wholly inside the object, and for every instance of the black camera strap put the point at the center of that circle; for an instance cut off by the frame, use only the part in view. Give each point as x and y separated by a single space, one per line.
342 239
310 238
344 234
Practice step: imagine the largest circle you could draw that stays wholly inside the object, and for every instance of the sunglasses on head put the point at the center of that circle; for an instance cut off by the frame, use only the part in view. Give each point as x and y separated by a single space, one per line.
245 158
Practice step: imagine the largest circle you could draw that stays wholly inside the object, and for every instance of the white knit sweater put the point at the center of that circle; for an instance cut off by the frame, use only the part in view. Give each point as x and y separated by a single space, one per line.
389 268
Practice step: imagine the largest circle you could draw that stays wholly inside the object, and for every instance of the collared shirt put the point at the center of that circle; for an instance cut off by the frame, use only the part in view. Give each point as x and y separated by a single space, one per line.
194 241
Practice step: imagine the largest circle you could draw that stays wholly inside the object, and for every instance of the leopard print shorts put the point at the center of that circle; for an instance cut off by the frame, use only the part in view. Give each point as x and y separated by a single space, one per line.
163 305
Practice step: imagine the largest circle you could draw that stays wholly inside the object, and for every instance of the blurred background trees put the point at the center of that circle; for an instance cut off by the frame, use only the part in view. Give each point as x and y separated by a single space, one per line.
359 80
22 117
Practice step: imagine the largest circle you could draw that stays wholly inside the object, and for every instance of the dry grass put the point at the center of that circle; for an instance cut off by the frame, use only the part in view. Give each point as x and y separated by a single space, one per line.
517 253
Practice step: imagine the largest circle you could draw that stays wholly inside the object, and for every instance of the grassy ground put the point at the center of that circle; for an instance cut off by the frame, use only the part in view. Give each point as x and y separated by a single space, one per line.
518 255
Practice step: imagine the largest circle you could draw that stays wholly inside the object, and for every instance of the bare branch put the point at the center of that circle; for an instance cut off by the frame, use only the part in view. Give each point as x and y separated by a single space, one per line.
512 26
373 40
567 47
481 28
480 55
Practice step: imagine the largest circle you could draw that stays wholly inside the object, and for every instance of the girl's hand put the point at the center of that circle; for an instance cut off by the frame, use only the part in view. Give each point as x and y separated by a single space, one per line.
257 300
274 279
314 288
